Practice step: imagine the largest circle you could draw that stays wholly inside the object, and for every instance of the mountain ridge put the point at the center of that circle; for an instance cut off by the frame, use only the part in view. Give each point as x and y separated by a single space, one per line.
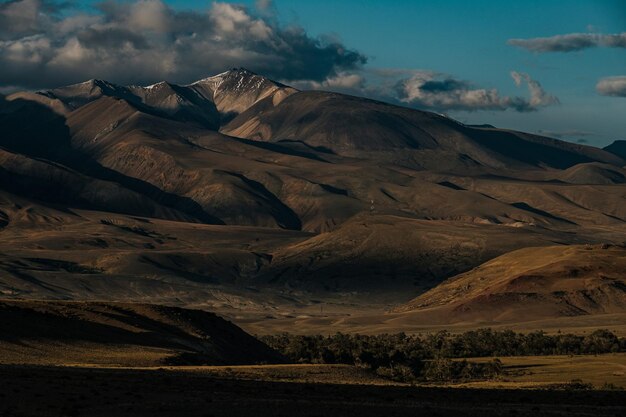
618 148
242 194
241 103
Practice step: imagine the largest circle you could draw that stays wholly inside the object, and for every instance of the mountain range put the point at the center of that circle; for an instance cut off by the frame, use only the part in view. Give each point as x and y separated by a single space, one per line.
243 195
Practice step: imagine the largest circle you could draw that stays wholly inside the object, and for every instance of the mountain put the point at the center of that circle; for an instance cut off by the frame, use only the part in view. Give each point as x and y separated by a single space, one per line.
119 334
372 252
209 102
353 126
593 173
533 284
242 195
618 148
235 91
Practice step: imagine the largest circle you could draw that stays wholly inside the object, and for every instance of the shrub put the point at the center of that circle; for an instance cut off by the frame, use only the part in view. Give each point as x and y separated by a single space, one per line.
425 356
448 370
400 373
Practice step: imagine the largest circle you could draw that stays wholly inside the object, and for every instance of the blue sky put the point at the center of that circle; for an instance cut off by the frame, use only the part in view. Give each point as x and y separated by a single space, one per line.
447 56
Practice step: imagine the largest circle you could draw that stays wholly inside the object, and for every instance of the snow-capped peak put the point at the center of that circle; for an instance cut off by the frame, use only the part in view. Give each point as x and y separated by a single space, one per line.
236 79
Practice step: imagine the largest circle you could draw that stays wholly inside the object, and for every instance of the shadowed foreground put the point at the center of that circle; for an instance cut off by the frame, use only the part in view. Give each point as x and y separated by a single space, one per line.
121 334
42 391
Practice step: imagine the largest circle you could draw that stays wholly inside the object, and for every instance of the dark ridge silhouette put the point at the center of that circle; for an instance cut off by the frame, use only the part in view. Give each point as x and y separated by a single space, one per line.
484 125
617 148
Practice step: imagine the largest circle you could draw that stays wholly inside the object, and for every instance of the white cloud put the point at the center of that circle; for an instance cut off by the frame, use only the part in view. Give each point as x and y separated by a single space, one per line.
538 96
571 42
612 86
347 82
145 41
427 89
444 92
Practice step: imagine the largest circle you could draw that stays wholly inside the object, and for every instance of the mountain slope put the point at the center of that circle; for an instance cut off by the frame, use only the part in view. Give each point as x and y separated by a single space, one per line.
132 193
209 102
531 283
353 126
618 148
594 173
236 90
375 254
57 332
326 157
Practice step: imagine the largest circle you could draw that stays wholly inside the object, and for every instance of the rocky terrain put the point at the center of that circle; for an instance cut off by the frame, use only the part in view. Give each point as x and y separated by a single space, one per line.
244 196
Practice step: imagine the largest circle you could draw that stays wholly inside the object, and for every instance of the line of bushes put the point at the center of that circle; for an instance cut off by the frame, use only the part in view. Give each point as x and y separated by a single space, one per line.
430 357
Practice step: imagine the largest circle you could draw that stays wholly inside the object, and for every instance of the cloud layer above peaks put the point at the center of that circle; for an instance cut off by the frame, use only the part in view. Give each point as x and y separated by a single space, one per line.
44 44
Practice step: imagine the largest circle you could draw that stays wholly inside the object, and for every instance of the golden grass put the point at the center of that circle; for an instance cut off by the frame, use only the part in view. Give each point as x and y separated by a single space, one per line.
307 373
542 371
521 372
365 322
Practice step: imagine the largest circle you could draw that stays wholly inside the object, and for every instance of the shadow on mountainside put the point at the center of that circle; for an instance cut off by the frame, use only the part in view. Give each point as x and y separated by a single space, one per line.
533 153
33 130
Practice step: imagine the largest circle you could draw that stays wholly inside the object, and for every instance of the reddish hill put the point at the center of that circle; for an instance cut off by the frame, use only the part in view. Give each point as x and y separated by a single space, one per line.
530 284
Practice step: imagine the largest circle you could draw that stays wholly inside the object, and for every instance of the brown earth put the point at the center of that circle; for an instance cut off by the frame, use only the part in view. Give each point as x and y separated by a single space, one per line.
241 195
533 283
120 334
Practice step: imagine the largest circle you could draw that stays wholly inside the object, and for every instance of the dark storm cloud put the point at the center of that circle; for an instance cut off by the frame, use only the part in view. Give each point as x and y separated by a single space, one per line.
612 86
23 17
445 85
144 41
571 42
109 38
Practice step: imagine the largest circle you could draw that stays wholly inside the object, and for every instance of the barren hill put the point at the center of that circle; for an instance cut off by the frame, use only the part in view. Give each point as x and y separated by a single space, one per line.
618 148
354 126
240 193
530 284
53 332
